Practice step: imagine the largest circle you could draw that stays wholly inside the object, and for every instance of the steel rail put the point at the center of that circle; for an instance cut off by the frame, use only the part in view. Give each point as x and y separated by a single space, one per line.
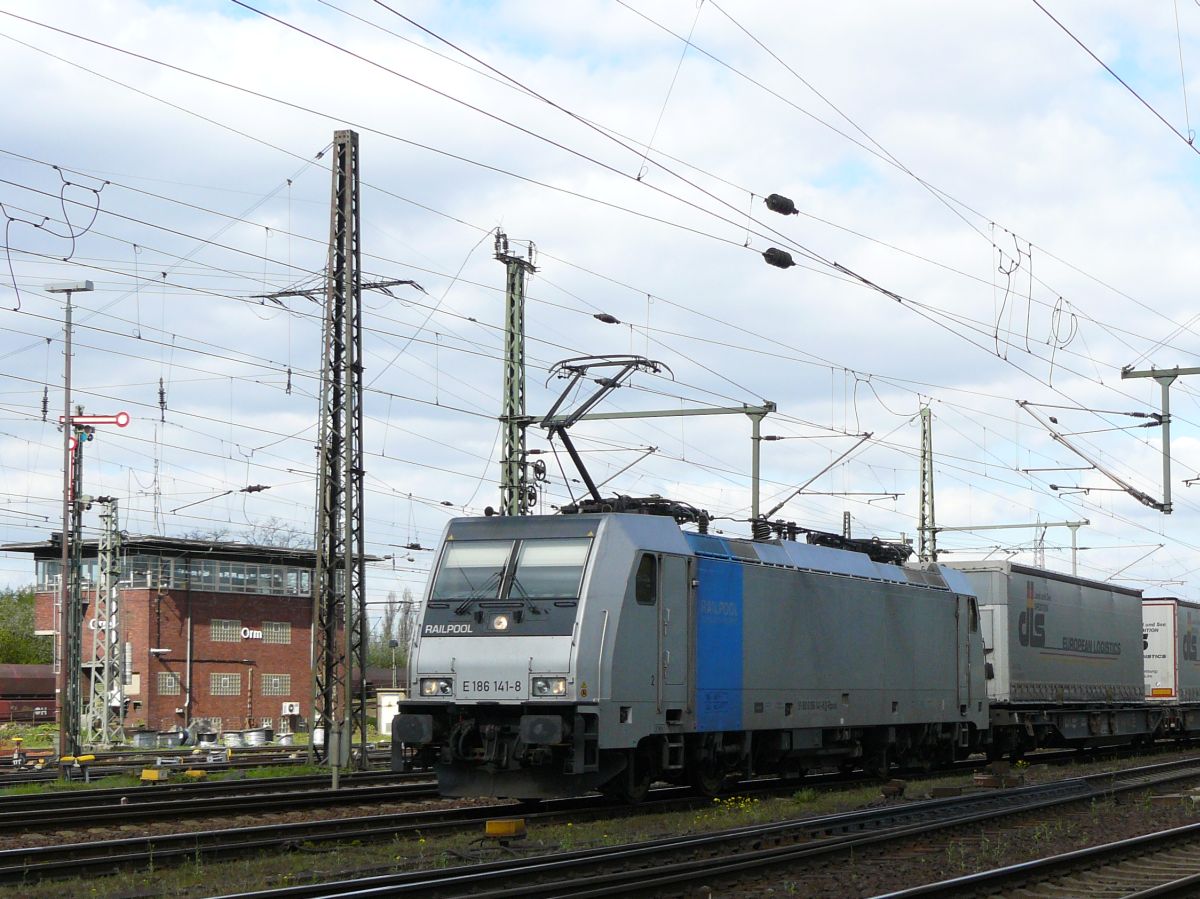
65 818
590 873
185 790
125 764
1131 861
105 856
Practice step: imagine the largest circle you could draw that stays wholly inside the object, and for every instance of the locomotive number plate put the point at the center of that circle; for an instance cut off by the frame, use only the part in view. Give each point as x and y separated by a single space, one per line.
491 686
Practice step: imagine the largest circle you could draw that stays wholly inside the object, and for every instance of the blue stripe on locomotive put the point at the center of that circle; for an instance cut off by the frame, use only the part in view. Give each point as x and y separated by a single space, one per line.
719 645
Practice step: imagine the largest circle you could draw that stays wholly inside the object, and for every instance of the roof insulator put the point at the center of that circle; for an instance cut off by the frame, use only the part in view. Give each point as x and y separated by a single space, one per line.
606 318
781 204
778 258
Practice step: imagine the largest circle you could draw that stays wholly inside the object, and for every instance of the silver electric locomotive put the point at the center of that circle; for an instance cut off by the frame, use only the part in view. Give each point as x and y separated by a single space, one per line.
559 654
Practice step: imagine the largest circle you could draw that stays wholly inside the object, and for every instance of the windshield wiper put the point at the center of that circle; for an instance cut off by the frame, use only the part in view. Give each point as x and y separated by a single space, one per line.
491 582
526 602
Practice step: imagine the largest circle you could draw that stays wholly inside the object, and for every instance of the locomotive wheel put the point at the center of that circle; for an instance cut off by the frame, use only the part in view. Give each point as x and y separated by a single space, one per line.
632 784
878 763
638 781
924 758
706 777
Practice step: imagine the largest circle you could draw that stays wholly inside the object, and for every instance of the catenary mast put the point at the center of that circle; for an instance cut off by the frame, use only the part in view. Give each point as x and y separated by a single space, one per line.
515 493
339 582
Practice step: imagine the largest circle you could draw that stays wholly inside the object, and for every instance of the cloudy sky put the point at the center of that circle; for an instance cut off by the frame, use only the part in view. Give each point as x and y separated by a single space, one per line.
986 216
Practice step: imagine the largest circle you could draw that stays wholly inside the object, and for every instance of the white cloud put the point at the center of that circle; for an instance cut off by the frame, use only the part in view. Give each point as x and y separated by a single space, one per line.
995 106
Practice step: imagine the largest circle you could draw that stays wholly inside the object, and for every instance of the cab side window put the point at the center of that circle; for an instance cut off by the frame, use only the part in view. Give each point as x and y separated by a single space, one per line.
645 582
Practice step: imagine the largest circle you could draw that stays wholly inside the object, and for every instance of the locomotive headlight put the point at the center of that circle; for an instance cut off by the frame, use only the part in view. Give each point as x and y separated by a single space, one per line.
549 686
500 623
437 686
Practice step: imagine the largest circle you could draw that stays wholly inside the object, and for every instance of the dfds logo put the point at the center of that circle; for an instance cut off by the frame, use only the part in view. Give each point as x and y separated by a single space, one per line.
1031 626
1189 647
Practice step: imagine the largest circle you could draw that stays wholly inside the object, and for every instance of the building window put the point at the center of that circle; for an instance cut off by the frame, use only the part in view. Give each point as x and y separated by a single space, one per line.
204 574
47 573
276 685
225 684
168 683
225 630
277 632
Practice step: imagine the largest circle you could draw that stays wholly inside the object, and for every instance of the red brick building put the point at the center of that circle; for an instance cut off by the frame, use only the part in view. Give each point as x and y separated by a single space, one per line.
214 633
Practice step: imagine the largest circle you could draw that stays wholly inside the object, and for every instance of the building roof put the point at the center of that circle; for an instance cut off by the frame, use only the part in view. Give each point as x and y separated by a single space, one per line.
179 547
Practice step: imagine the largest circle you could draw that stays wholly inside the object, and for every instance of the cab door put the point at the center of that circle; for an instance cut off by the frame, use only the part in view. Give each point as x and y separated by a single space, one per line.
967 614
675 588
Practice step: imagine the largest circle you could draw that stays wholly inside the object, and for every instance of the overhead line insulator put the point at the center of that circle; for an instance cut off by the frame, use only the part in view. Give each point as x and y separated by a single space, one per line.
778 258
781 204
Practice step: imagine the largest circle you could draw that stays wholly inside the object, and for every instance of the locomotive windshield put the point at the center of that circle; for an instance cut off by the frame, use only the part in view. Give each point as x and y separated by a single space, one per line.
472 569
526 587
549 569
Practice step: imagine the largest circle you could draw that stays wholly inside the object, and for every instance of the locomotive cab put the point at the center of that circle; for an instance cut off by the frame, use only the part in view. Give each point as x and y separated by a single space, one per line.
501 699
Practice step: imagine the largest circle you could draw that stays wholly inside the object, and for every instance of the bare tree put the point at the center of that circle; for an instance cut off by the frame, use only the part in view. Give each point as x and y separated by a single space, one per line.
275 531
388 620
211 535
396 622
407 620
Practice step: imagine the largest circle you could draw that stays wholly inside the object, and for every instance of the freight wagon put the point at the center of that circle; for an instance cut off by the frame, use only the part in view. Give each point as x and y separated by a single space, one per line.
27 693
1171 661
1064 658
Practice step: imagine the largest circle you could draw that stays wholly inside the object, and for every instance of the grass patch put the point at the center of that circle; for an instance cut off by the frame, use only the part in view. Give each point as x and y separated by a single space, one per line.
35 736
270 771
113 781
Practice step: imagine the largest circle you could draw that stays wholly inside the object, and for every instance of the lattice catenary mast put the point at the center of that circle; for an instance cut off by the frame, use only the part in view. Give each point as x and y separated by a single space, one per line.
516 497
69 614
339 581
926 521
102 723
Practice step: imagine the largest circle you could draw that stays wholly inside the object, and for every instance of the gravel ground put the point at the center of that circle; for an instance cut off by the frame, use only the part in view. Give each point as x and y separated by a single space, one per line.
868 873
938 857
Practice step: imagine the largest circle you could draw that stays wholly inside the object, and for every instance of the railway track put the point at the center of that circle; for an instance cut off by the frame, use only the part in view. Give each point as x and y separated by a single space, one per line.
132 795
1158 864
684 863
85 809
108 764
239 798
31 864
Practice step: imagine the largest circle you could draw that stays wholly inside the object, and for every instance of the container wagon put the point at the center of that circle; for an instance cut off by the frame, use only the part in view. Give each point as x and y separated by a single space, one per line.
1064 658
1171 656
